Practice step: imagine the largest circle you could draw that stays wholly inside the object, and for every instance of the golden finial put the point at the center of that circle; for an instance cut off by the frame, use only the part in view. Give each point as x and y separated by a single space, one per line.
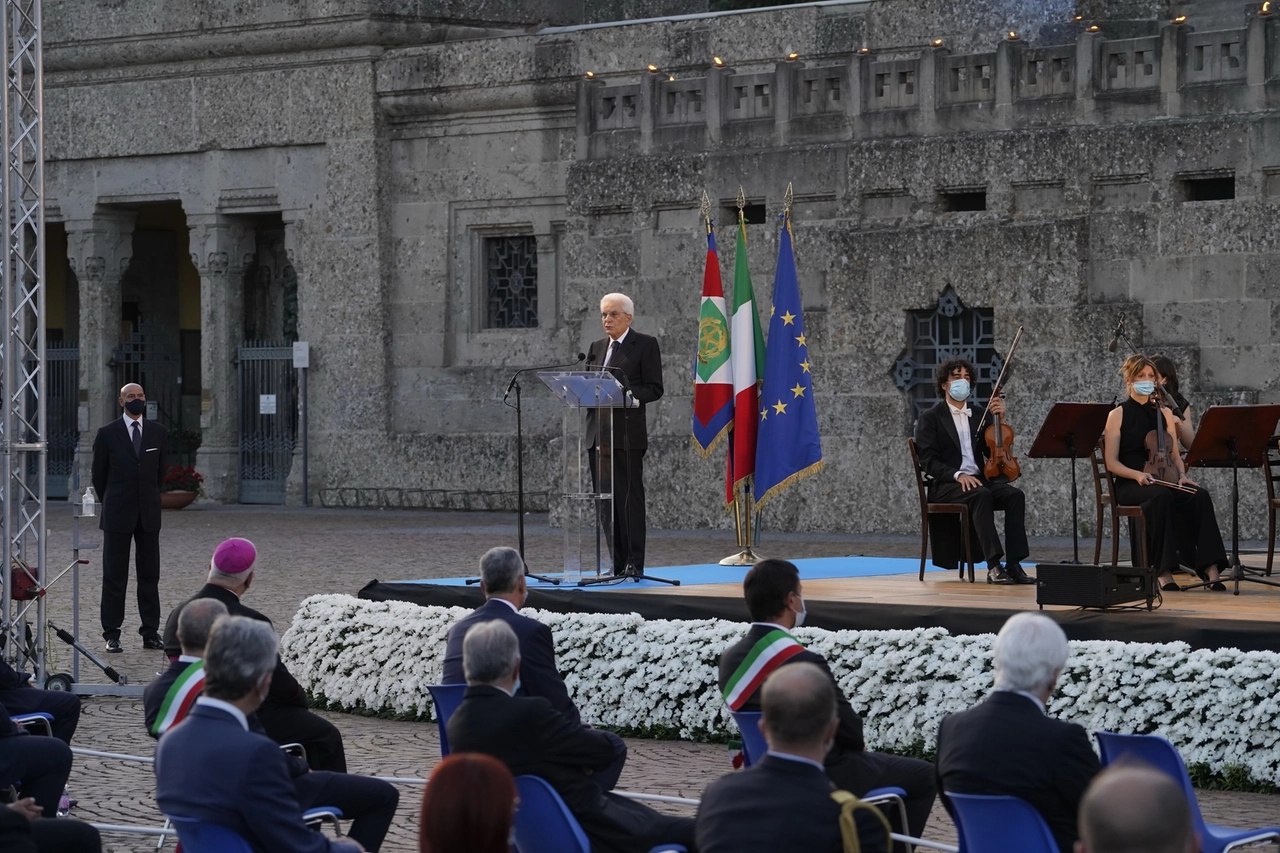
787 200
742 200
706 210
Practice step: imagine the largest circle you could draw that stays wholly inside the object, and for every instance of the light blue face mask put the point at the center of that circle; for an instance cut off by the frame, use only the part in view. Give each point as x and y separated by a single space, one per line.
1145 387
959 390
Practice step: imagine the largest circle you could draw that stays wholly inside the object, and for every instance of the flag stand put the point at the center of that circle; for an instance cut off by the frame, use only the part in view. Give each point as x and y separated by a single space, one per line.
742 524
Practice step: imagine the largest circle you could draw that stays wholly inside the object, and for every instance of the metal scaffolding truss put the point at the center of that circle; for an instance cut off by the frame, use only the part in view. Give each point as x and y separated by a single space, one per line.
22 341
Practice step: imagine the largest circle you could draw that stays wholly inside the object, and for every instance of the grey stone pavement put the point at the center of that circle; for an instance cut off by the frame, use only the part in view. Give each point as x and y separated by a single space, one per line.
303 552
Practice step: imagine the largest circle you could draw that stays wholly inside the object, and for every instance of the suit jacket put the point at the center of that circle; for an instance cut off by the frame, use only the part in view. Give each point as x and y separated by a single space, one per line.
211 768
285 689
938 444
777 805
637 364
127 483
538 673
1007 746
848 735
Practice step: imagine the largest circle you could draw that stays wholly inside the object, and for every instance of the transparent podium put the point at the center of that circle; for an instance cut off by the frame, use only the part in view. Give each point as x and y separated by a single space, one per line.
589 398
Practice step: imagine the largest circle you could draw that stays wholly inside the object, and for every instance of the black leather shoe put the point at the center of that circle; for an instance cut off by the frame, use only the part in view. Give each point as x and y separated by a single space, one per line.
1016 572
152 642
997 575
1171 587
113 646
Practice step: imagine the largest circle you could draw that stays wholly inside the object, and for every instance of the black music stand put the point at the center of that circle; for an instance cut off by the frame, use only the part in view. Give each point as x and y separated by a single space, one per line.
1229 437
1070 431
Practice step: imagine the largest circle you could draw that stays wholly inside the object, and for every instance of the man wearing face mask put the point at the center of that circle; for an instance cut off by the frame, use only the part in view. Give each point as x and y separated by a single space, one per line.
951 452
128 470
772 592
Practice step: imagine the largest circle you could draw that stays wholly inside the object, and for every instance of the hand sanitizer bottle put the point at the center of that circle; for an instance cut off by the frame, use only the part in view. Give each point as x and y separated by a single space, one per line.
88 504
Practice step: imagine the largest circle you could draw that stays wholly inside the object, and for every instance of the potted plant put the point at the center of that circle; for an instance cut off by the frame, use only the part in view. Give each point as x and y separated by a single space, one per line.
181 486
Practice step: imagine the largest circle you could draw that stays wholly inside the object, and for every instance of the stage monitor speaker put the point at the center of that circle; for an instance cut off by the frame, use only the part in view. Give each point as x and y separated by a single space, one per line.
1093 586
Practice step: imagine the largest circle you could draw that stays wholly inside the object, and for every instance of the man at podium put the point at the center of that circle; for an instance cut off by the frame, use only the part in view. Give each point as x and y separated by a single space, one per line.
633 358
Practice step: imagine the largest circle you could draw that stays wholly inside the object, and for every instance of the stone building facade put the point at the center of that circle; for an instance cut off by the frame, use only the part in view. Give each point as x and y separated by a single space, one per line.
434 199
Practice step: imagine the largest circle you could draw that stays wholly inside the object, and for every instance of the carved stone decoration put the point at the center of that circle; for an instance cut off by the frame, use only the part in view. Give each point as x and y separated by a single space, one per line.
94 267
218 263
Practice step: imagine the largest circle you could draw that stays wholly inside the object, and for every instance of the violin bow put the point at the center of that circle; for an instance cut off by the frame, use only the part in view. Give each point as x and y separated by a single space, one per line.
995 392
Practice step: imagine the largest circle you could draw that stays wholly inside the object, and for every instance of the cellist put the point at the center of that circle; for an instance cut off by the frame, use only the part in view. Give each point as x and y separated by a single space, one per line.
951 452
1167 503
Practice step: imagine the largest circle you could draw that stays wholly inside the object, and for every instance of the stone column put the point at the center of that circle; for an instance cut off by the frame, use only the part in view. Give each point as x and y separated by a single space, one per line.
220 248
1088 54
293 495
1172 55
98 250
784 88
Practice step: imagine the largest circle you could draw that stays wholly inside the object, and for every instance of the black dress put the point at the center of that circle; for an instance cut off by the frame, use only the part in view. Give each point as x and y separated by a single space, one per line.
1166 511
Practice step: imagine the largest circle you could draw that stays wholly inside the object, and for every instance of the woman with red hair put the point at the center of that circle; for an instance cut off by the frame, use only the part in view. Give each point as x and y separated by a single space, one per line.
468 806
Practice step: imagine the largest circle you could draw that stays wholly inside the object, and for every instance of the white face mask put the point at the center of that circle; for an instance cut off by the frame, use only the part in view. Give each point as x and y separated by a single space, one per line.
801 613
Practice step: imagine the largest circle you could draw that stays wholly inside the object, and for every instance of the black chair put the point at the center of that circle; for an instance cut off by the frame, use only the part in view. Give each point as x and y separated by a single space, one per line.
1104 489
927 508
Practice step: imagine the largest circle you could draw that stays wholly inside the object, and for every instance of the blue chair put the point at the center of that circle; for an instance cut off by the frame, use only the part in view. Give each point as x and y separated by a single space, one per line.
544 823
447 698
753 743
999 824
198 836
1162 755
38 720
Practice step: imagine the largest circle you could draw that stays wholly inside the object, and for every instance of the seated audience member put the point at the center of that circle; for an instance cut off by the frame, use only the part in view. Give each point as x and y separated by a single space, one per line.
468 807
285 714
1132 808
772 592
23 829
785 802
20 695
211 767
369 803
1008 745
532 738
502 582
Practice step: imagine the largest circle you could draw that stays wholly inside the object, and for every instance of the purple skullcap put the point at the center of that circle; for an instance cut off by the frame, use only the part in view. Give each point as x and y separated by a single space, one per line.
234 556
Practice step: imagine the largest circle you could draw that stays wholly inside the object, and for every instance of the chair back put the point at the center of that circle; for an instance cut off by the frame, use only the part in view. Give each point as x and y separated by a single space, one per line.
199 836
1156 752
543 822
1103 487
1273 466
990 824
754 745
921 488
447 698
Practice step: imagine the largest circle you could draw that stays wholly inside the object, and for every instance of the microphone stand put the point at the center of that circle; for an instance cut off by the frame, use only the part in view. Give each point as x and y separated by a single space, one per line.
515 385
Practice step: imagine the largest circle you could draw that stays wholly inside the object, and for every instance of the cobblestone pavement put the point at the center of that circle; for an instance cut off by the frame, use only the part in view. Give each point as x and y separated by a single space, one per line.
303 552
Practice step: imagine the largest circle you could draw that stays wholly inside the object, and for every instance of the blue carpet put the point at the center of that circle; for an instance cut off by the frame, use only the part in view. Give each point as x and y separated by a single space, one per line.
819 568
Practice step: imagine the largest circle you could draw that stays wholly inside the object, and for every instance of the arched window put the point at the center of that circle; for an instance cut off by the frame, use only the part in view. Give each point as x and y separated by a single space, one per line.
947 330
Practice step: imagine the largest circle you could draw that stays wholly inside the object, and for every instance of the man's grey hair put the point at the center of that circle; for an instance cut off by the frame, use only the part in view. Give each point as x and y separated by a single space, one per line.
1133 808
221 578
799 703
500 569
196 621
239 653
1031 651
490 652
628 307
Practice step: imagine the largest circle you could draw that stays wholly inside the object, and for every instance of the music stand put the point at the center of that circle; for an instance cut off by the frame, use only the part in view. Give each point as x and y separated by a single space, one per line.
1071 431
1231 436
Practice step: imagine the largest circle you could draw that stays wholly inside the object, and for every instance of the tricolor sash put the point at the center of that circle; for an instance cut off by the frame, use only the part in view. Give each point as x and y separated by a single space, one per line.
181 696
770 651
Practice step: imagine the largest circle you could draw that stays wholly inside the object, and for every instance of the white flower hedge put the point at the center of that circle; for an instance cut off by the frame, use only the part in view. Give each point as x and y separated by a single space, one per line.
1218 707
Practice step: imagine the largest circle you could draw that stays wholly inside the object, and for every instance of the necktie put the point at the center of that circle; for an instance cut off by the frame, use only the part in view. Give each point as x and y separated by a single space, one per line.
137 439
608 357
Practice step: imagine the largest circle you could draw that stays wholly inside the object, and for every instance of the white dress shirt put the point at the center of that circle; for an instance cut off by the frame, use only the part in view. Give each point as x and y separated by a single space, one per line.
786 757
612 349
129 421
225 706
967 463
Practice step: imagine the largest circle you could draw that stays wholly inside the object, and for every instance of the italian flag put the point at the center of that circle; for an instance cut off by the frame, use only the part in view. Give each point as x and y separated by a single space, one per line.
181 696
747 360
712 372
770 652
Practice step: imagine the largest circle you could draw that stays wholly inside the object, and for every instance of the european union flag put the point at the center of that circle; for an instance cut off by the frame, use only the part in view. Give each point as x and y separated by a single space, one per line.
788 448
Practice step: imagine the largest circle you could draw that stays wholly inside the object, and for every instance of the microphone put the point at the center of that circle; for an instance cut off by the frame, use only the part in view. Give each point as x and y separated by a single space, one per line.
1115 338
582 356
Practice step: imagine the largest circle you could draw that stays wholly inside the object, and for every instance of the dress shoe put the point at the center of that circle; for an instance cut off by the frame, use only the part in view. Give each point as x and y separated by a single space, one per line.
997 575
152 641
113 646
1171 586
1016 572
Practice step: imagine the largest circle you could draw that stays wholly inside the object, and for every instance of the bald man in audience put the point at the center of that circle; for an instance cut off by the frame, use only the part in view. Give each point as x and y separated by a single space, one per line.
1132 808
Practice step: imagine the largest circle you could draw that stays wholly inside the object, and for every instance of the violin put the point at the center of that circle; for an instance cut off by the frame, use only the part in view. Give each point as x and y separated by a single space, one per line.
1159 446
999 436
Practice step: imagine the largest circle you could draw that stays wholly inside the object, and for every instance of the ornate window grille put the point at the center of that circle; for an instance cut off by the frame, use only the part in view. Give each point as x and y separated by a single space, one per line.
511 282
947 330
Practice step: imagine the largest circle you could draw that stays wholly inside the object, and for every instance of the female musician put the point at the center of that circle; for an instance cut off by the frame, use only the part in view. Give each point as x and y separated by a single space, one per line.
1167 376
1164 508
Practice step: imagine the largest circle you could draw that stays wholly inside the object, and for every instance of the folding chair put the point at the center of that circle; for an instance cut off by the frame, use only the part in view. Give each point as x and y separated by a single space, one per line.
544 823
990 824
38 720
447 698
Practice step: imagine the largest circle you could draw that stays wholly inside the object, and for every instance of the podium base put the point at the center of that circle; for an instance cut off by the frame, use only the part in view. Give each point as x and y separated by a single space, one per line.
745 557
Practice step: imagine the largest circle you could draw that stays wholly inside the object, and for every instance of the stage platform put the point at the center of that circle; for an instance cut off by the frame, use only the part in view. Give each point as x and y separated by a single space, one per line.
885 593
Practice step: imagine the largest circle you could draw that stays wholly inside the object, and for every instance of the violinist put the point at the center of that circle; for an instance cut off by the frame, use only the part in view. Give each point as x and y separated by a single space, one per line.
1149 472
951 452
1167 376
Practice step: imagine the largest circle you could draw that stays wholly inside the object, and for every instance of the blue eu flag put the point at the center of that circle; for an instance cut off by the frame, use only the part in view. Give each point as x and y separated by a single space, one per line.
788 448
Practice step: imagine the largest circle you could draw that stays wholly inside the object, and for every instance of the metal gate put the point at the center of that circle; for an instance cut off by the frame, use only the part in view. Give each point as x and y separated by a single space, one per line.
268 420
62 378
151 358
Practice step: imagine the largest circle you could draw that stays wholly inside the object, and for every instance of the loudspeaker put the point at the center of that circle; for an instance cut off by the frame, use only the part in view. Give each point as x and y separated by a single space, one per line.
1093 586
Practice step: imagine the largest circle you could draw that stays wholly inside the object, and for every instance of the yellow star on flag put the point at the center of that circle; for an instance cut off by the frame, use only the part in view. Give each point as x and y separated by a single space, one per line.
801 340
764 413
788 319
780 407
804 365
798 390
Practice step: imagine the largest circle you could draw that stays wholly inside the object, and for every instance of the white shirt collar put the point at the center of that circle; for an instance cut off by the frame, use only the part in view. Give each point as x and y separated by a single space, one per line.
1030 696
128 421
225 706
797 758
621 339
963 410
188 659
514 609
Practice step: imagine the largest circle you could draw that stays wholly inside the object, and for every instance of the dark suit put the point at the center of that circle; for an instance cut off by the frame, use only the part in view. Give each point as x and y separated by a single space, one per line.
19 835
285 713
369 803
532 738
1008 746
849 765
212 769
39 766
938 444
128 484
775 805
21 699
637 364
